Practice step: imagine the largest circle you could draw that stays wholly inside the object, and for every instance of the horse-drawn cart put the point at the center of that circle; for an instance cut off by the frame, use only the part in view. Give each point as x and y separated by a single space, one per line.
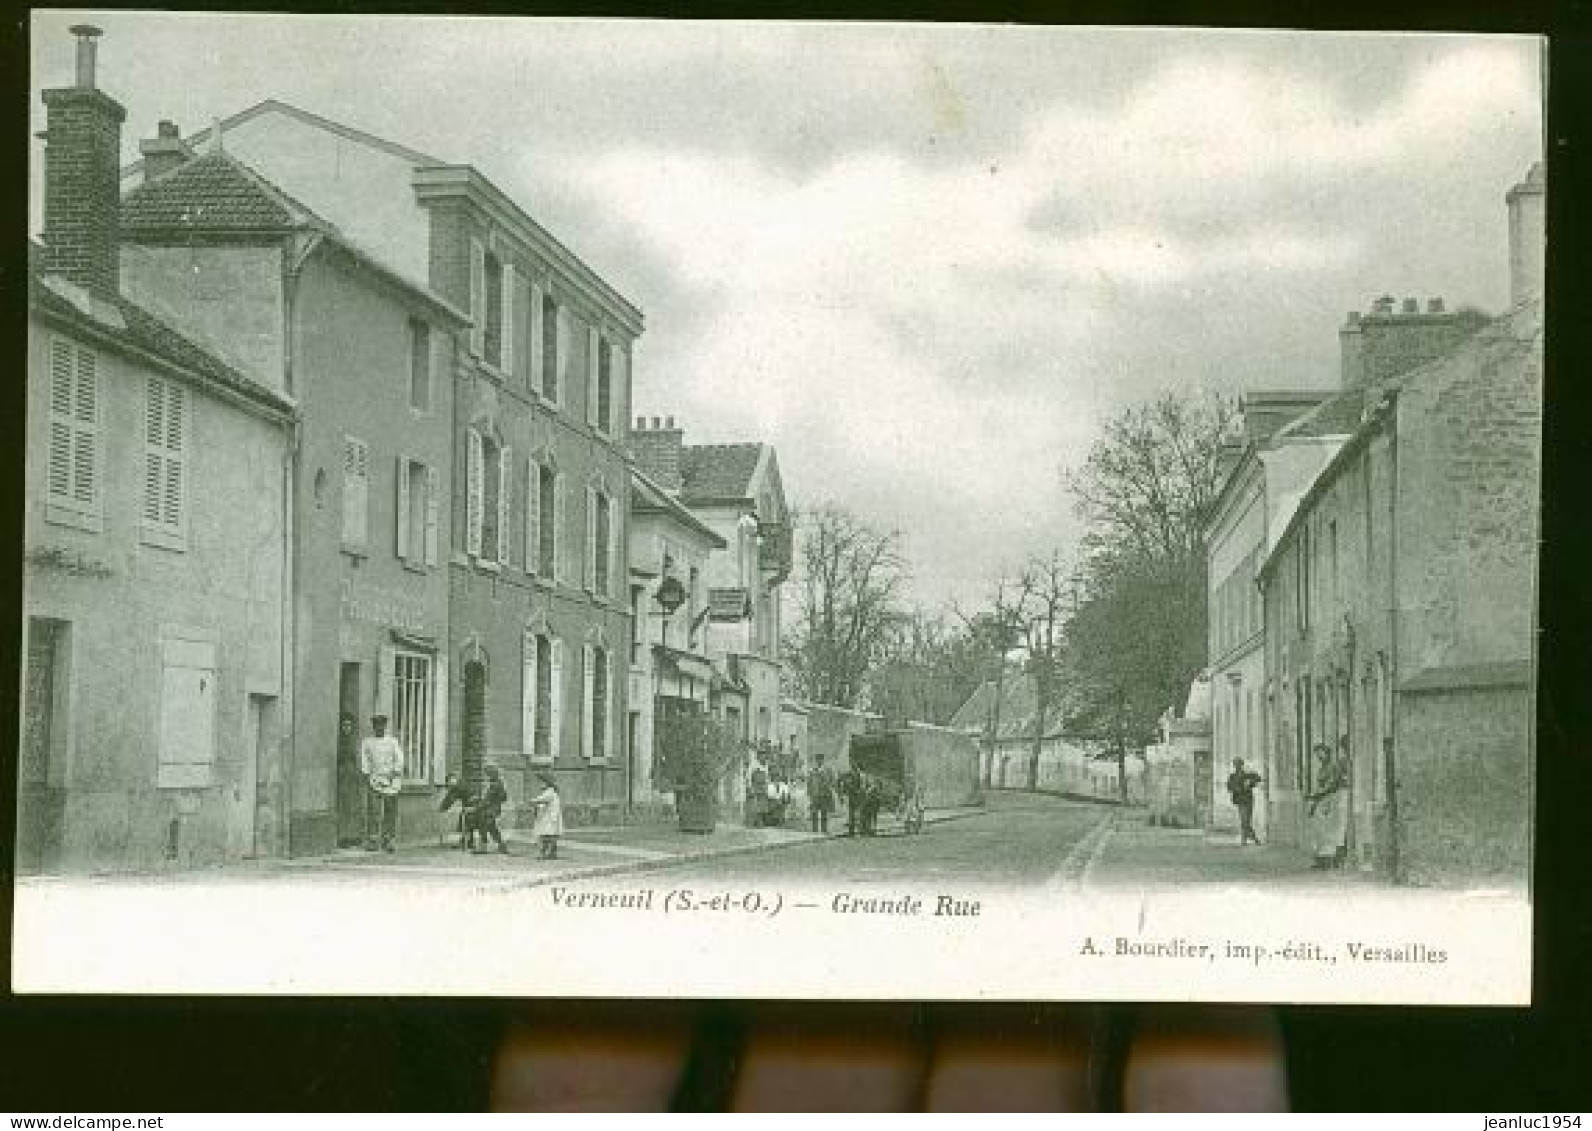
881 781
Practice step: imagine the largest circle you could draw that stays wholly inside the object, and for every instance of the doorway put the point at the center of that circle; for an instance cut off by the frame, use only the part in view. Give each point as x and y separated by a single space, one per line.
350 787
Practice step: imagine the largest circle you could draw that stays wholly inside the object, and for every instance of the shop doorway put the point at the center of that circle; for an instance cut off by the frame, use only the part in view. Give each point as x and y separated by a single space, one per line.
350 786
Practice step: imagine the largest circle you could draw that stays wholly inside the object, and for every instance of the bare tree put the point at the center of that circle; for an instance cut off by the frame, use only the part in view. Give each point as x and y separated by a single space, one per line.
1039 609
1143 491
847 611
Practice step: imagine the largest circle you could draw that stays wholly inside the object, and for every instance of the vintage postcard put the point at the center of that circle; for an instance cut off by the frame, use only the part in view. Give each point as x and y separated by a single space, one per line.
629 508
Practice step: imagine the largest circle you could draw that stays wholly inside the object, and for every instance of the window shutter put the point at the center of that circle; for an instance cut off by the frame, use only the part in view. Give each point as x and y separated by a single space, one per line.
477 496
619 392
533 516
558 527
556 699
528 698
587 685
63 382
402 525
562 344
433 504
616 574
590 554
591 376
500 552
520 333
534 368
154 448
477 297
356 495
176 455
439 718
508 318
387 661
608 704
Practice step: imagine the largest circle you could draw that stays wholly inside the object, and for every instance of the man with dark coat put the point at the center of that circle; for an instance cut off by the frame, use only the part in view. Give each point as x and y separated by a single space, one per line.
1241 785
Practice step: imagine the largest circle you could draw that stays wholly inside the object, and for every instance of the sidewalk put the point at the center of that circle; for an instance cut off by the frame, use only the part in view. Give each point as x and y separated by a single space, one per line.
1140 855
582 853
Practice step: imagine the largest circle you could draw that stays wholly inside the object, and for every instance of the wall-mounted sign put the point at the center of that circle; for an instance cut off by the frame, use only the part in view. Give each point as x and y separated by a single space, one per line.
378 604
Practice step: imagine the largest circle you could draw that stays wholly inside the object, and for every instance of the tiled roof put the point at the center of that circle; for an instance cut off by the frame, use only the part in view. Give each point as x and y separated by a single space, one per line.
718 471
728 604
1018 704
142 331
213 193
1338 415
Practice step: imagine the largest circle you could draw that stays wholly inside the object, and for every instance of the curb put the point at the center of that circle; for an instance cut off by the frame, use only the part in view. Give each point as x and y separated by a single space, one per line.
630 867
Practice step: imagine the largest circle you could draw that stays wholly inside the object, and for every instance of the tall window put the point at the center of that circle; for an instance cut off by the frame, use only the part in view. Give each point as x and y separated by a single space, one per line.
550 510
165 457
489 469
602 580
356 493
597 702
605 380
419 365
1332 536
538 698
73 475
492 341
552 349
411 713
419 498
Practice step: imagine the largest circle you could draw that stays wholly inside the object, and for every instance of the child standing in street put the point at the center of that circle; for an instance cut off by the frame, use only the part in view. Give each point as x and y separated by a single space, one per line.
548 825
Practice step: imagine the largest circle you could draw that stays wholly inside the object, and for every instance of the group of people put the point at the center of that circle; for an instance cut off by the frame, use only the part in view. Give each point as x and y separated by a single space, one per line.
768 795
1326 811
381 761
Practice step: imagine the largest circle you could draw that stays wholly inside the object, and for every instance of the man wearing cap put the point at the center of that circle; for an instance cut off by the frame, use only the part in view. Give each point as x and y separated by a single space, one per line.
381 760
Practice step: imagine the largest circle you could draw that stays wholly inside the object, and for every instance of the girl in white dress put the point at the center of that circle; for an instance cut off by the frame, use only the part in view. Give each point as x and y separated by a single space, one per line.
548 825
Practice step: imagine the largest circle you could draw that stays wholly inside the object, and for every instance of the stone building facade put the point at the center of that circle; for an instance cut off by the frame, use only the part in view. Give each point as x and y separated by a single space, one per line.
155 554
368 356
538 617
1399 612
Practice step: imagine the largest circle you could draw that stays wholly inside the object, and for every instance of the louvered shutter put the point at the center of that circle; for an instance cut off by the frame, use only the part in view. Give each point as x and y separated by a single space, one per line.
592 344
590 554
528 698
176 456
477 494
562 353
533 516
534 368
63 383
559 527
154 448
85 441
556 701
477 297
588 666
500 552
439 718
356 493
433 500
508 307
402 525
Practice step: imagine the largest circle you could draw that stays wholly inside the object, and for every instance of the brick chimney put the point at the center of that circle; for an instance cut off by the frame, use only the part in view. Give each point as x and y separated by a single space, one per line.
1391 339
657 447
163 152
82 154
1527 234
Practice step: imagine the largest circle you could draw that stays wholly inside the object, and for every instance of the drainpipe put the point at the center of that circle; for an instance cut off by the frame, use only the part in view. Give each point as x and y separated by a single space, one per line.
293 264
1394 857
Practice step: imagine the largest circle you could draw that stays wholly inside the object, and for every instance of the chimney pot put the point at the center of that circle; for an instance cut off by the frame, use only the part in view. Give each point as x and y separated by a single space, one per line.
1412 306
86 35
671 423
1354 318
1383 305
1434 306
657 422
167 129
641 423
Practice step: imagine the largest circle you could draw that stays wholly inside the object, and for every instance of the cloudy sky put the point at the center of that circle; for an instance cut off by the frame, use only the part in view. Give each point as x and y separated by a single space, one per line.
923 261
